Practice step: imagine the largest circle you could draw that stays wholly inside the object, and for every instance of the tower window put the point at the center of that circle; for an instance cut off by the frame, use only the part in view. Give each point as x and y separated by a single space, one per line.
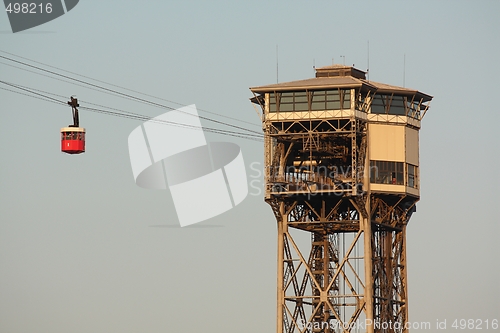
389 104
331 99
386 172
318 100
272 102
293 101
412 176
397 106
378 104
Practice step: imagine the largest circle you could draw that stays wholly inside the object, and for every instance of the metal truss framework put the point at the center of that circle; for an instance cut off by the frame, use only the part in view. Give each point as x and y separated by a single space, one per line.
353 271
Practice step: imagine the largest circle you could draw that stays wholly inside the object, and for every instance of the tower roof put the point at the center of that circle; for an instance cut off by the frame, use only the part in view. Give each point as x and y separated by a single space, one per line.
340 76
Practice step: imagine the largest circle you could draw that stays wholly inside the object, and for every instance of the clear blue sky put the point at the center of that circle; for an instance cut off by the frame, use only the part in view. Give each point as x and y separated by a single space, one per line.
83 249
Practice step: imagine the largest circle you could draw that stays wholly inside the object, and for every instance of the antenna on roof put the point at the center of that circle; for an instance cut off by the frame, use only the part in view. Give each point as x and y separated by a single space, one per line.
368 63
277 63
404 69
314 66
343 59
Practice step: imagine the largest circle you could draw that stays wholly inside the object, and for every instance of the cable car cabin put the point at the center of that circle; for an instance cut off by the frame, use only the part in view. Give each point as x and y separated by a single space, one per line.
73 140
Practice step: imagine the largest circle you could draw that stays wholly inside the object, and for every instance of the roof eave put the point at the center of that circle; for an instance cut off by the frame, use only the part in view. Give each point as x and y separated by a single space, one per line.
294 88
285 87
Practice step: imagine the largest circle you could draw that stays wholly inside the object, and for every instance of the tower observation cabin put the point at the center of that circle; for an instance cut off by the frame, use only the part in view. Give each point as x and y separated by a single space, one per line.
341 164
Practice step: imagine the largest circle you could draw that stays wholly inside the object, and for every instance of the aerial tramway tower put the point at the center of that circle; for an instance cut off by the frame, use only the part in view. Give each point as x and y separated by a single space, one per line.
342 178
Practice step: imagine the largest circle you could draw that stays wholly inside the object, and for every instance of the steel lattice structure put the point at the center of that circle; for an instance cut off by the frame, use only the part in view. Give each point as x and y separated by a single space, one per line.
328 181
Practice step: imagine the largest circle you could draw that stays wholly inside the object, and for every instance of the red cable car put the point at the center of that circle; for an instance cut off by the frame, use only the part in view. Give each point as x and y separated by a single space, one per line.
73 140
73 136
